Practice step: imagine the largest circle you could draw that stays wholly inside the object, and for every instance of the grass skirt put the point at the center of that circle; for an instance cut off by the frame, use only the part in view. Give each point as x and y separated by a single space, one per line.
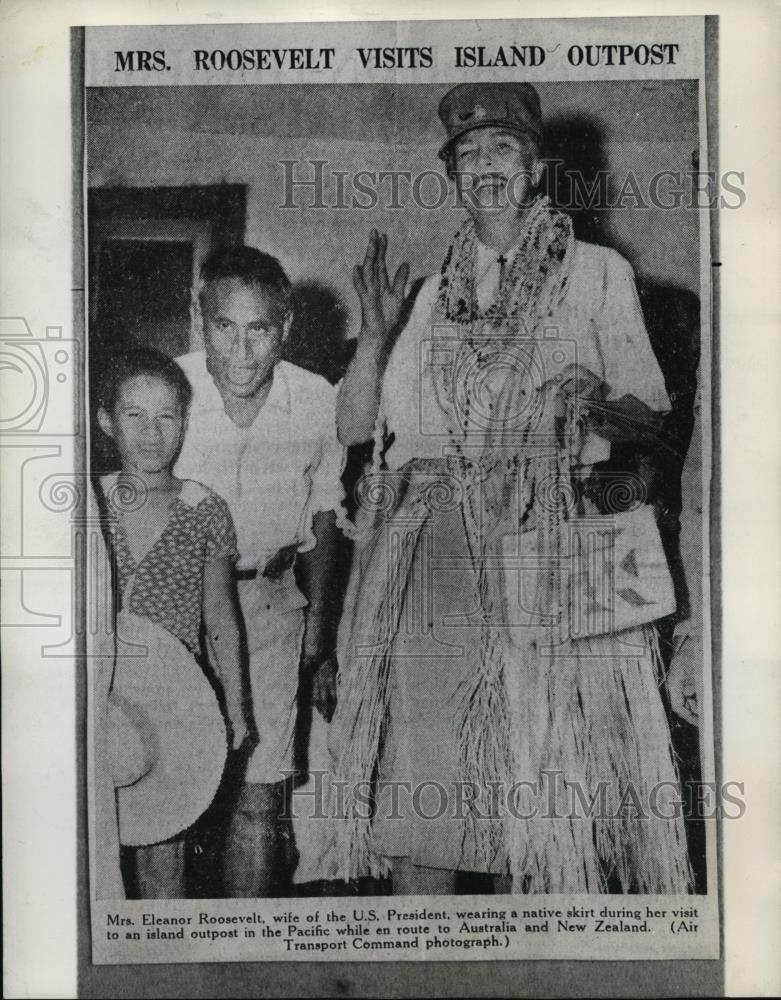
554 766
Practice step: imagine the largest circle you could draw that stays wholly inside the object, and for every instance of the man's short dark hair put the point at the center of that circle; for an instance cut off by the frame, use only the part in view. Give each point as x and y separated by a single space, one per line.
139 362
250 266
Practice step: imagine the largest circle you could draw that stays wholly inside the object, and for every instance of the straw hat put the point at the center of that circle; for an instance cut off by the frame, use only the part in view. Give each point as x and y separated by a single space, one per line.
167 738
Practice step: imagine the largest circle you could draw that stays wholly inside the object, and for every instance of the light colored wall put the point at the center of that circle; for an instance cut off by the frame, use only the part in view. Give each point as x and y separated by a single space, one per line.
144 137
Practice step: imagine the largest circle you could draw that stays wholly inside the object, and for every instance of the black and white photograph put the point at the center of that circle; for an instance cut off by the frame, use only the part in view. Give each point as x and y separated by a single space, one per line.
375 539
400 410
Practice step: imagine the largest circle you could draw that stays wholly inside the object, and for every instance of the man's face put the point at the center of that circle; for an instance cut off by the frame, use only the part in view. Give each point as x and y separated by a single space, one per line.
244 328
495 170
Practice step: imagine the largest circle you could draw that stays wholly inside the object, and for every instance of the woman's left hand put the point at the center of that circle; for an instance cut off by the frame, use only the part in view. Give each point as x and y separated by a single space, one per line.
623 420
575 382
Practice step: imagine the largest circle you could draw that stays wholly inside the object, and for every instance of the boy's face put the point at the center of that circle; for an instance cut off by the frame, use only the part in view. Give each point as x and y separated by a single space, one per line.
147 424
244 328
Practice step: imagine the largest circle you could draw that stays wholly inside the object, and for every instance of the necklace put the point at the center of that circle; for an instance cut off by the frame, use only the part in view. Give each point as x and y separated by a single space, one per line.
533 287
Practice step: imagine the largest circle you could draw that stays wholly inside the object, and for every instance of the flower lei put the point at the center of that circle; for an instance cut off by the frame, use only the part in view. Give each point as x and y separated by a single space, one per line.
529 291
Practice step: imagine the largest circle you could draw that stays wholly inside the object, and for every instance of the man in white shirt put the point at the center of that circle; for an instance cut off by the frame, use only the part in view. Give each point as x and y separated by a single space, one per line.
262 434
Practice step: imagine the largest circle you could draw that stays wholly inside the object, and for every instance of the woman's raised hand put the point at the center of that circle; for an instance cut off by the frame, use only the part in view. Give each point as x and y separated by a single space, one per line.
381 300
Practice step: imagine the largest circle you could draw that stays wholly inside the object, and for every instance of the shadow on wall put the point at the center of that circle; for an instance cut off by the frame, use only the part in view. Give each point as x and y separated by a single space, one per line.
576 175
578 180
318 337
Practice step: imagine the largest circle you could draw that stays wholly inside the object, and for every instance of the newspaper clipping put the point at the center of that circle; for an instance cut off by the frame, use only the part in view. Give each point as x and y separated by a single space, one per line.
399 366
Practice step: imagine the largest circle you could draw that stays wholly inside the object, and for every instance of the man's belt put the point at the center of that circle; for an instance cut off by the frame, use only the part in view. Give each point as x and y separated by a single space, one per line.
245 574
275 568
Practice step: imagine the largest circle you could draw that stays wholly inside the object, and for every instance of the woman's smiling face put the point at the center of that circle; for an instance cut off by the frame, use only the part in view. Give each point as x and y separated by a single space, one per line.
495 169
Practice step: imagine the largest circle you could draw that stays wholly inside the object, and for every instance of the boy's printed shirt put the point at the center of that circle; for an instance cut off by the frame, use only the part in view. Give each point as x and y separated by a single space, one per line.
166 586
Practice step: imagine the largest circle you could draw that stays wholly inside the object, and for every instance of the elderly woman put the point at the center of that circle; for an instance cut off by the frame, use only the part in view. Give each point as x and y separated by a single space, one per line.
492 717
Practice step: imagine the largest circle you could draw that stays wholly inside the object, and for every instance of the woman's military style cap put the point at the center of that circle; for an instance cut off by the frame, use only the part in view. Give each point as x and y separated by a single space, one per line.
468 106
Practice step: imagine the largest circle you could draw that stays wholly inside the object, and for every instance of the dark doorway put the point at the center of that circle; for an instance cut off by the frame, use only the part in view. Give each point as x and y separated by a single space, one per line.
145 250
144 294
